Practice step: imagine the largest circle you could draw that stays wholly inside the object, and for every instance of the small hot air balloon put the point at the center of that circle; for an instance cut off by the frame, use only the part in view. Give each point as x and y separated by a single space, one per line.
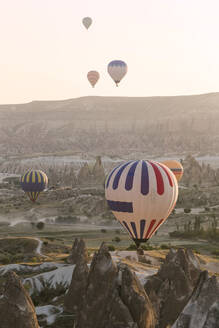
176 167
33 183
87 21
93 77
141 195
117 69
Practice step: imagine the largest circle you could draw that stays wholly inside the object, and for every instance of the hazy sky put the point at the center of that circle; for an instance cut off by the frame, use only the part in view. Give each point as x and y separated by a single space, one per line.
171 47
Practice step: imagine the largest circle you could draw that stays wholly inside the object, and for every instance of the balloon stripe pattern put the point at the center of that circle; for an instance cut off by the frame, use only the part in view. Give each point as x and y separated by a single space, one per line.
117 69
33 182
176 167
93 77
141 195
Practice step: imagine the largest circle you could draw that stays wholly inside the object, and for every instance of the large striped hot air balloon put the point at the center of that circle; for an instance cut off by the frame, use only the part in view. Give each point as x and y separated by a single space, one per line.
87 21
117 69
141 195
33 183
176 167
93 77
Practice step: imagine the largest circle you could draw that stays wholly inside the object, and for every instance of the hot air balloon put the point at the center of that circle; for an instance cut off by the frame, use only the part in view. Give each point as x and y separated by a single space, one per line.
141 195
87 21
33 183
93 77
117 69
176 167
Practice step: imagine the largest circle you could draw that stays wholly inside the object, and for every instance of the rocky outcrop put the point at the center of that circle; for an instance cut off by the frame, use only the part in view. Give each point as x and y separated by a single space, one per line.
108 296
170 289
74 298
101 283
78 252
16 307
202 310
198 174
135 298
98 171
84 175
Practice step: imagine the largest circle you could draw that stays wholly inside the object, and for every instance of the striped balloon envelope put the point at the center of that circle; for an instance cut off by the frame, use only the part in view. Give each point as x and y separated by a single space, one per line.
117 69
33 183
176 167
141 195
93 77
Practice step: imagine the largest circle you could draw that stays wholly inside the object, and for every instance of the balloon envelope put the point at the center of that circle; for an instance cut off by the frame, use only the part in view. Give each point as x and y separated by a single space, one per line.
141 195
93 77
33 183
87 21
117 69
176 167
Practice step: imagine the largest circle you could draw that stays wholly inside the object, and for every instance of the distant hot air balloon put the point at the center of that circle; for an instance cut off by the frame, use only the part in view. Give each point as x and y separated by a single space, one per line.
117 69
176 167
93 77
141 195
87 21
33 183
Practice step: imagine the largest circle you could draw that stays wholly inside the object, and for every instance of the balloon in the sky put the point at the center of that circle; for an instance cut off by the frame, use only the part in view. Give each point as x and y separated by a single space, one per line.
33 183
87 21
141 195
93 77
117 69
176 167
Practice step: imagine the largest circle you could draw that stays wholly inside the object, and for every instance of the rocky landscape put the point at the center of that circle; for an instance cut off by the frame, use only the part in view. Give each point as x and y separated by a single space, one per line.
110 290
44 280
112 126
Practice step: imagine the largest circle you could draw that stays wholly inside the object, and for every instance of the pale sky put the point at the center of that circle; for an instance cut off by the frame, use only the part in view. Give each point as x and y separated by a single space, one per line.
171 47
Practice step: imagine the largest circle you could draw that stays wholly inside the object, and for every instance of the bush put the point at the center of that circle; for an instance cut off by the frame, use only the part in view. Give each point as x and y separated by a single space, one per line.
111 248
132 247
187 210
215 252
147 247
117 239
40 225
164 246
5 259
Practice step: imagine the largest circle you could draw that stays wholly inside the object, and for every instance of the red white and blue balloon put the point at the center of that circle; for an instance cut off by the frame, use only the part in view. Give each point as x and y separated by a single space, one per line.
141 195
117 69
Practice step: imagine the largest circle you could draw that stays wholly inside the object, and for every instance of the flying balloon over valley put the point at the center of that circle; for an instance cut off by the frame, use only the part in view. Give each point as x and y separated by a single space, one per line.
141 194
176 167
33 182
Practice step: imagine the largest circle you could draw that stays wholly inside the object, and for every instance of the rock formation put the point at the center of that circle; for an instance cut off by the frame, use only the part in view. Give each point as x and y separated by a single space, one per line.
16 307
170 289
75 295
98 171
78 252
135 298
111 298
202 310
84 175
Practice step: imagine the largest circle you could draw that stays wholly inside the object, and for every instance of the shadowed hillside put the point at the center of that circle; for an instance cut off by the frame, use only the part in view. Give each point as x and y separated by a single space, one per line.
112 125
